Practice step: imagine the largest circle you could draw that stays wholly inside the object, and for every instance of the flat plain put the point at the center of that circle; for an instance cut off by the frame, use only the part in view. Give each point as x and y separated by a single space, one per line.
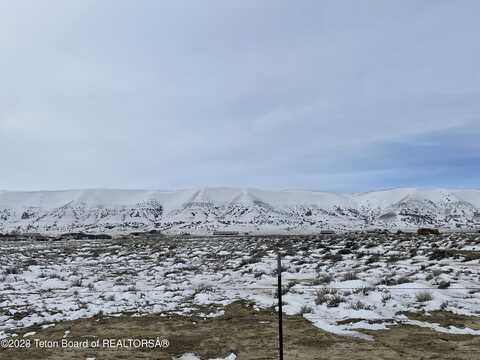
345 295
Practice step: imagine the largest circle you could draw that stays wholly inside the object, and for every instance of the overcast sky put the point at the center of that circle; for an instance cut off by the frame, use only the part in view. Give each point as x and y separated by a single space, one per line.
325 95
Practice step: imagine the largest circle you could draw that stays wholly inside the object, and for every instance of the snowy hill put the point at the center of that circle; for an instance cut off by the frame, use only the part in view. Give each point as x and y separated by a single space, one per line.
251 210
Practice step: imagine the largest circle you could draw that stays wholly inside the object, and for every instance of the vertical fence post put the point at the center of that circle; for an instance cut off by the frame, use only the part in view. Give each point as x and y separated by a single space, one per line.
280 325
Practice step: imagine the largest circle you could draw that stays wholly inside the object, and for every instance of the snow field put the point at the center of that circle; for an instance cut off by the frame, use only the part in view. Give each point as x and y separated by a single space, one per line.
341 283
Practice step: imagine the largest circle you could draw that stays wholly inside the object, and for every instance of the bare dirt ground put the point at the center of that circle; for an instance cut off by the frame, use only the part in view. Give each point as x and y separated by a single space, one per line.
252 334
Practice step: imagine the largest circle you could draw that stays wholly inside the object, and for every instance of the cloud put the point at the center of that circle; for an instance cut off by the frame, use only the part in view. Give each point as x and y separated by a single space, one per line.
323 95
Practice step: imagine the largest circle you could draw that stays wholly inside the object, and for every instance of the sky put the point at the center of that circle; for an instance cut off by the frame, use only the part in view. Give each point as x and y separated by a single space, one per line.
322 95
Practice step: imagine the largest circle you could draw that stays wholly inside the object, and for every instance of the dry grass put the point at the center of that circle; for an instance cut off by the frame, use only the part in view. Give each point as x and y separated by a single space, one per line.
252 335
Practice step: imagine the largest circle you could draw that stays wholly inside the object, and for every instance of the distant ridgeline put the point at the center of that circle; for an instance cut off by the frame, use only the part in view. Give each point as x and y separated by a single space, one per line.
81 213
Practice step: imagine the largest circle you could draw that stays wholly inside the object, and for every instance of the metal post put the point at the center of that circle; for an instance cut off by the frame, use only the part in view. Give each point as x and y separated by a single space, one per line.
280 326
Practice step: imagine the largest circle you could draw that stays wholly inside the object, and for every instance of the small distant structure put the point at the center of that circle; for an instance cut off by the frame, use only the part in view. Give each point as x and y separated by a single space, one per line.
226 233
84 236
327 232
428 231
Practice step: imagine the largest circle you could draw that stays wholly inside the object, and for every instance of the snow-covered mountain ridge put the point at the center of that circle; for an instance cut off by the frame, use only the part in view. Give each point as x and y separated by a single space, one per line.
206 209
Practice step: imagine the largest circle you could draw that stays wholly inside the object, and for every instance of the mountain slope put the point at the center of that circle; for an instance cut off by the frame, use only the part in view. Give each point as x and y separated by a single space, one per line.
207 209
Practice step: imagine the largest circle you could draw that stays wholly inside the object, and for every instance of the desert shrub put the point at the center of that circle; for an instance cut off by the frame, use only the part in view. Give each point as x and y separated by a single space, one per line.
403 280
305 310
365 290
30 262
395 258
358 305
11 271
391 281
56 276
444 284
388 281
323 296
423 296
438 254
258 274
333 257
334 301
77 282
352 245
322 279
360 254
351 275
373 259
300 262
437 272
386 297
289 251
203 288
248 261
120 281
